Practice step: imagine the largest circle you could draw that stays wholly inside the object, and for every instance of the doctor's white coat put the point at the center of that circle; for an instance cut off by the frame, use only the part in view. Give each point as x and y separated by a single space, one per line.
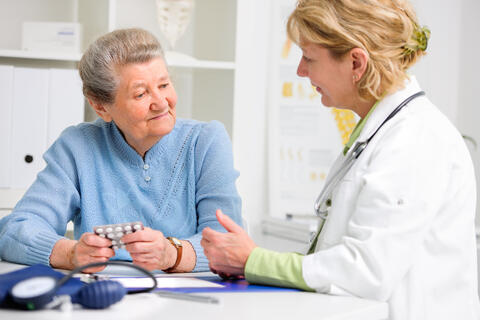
401 225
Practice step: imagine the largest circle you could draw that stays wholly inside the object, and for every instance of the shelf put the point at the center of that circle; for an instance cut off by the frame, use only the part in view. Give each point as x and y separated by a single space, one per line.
177 59
300 230
174 59
40 55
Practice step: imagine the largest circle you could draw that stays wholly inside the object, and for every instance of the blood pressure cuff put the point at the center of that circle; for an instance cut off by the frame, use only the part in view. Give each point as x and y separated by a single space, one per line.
8 280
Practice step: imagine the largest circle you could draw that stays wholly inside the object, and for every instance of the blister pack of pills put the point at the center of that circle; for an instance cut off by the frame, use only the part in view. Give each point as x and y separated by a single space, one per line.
116 231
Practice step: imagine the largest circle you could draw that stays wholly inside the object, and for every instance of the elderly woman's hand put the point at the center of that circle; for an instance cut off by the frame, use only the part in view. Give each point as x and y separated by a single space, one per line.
150 249
227 252
91 248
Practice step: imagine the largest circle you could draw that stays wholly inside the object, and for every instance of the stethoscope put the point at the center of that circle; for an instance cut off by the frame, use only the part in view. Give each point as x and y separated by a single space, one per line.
323 201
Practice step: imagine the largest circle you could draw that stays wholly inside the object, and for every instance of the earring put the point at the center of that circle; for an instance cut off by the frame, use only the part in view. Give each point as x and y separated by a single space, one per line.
355 78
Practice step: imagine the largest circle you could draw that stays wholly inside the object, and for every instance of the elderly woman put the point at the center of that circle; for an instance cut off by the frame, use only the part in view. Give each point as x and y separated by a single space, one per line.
399 223
136 163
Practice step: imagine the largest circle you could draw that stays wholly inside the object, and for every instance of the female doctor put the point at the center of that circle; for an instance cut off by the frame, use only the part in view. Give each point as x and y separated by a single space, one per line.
399 222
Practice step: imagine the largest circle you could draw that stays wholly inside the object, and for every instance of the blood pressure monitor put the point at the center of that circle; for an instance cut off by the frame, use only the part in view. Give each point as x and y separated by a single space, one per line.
36 292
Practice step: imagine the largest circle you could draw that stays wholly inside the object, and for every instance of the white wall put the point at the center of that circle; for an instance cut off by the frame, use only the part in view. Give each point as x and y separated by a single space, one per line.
249 127
469 88
449 73
438 71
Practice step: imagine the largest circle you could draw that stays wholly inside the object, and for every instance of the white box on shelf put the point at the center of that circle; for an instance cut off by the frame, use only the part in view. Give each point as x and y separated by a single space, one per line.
52 36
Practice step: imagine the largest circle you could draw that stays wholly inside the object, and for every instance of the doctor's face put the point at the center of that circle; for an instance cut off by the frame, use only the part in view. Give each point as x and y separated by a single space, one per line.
330 76
144 107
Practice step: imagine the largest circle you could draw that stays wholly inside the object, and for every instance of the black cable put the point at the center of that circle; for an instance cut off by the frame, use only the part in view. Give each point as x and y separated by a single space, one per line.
107 263
397 109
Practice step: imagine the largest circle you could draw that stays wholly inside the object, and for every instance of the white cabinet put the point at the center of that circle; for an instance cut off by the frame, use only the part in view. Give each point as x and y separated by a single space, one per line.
202 66
4 212
218 67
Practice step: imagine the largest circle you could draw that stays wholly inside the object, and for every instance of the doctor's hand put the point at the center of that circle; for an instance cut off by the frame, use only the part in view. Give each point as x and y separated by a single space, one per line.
227 252
150 249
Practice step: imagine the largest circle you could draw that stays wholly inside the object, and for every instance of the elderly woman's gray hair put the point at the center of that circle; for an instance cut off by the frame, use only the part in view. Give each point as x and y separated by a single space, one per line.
120 47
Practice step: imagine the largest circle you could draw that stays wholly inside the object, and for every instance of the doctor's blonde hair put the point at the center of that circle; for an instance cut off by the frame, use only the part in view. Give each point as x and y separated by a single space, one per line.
386 29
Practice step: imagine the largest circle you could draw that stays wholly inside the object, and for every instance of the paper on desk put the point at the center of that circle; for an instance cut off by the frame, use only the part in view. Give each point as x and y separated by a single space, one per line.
166 282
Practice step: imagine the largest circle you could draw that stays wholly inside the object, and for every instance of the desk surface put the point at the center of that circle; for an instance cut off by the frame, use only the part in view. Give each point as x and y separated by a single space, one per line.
233 306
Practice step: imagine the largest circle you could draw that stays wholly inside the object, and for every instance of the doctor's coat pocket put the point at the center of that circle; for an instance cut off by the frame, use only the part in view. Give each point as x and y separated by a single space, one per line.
343 205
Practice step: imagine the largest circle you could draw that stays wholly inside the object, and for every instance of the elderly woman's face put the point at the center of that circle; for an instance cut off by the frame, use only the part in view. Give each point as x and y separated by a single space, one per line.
144 107
331 77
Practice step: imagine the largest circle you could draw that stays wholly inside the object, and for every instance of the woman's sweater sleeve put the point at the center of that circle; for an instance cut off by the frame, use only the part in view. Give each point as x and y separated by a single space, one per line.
39 219
215 179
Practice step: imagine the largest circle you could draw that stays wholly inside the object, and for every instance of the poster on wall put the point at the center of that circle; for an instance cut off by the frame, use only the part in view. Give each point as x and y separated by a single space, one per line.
305 137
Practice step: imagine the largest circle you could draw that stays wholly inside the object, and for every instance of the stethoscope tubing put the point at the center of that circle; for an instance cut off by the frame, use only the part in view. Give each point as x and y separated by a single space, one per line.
320 205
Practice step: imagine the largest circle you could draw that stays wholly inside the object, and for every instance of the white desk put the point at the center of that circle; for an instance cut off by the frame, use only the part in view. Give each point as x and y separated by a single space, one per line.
233 306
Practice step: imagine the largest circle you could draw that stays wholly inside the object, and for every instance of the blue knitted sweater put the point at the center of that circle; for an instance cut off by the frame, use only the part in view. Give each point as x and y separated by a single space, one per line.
94 177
